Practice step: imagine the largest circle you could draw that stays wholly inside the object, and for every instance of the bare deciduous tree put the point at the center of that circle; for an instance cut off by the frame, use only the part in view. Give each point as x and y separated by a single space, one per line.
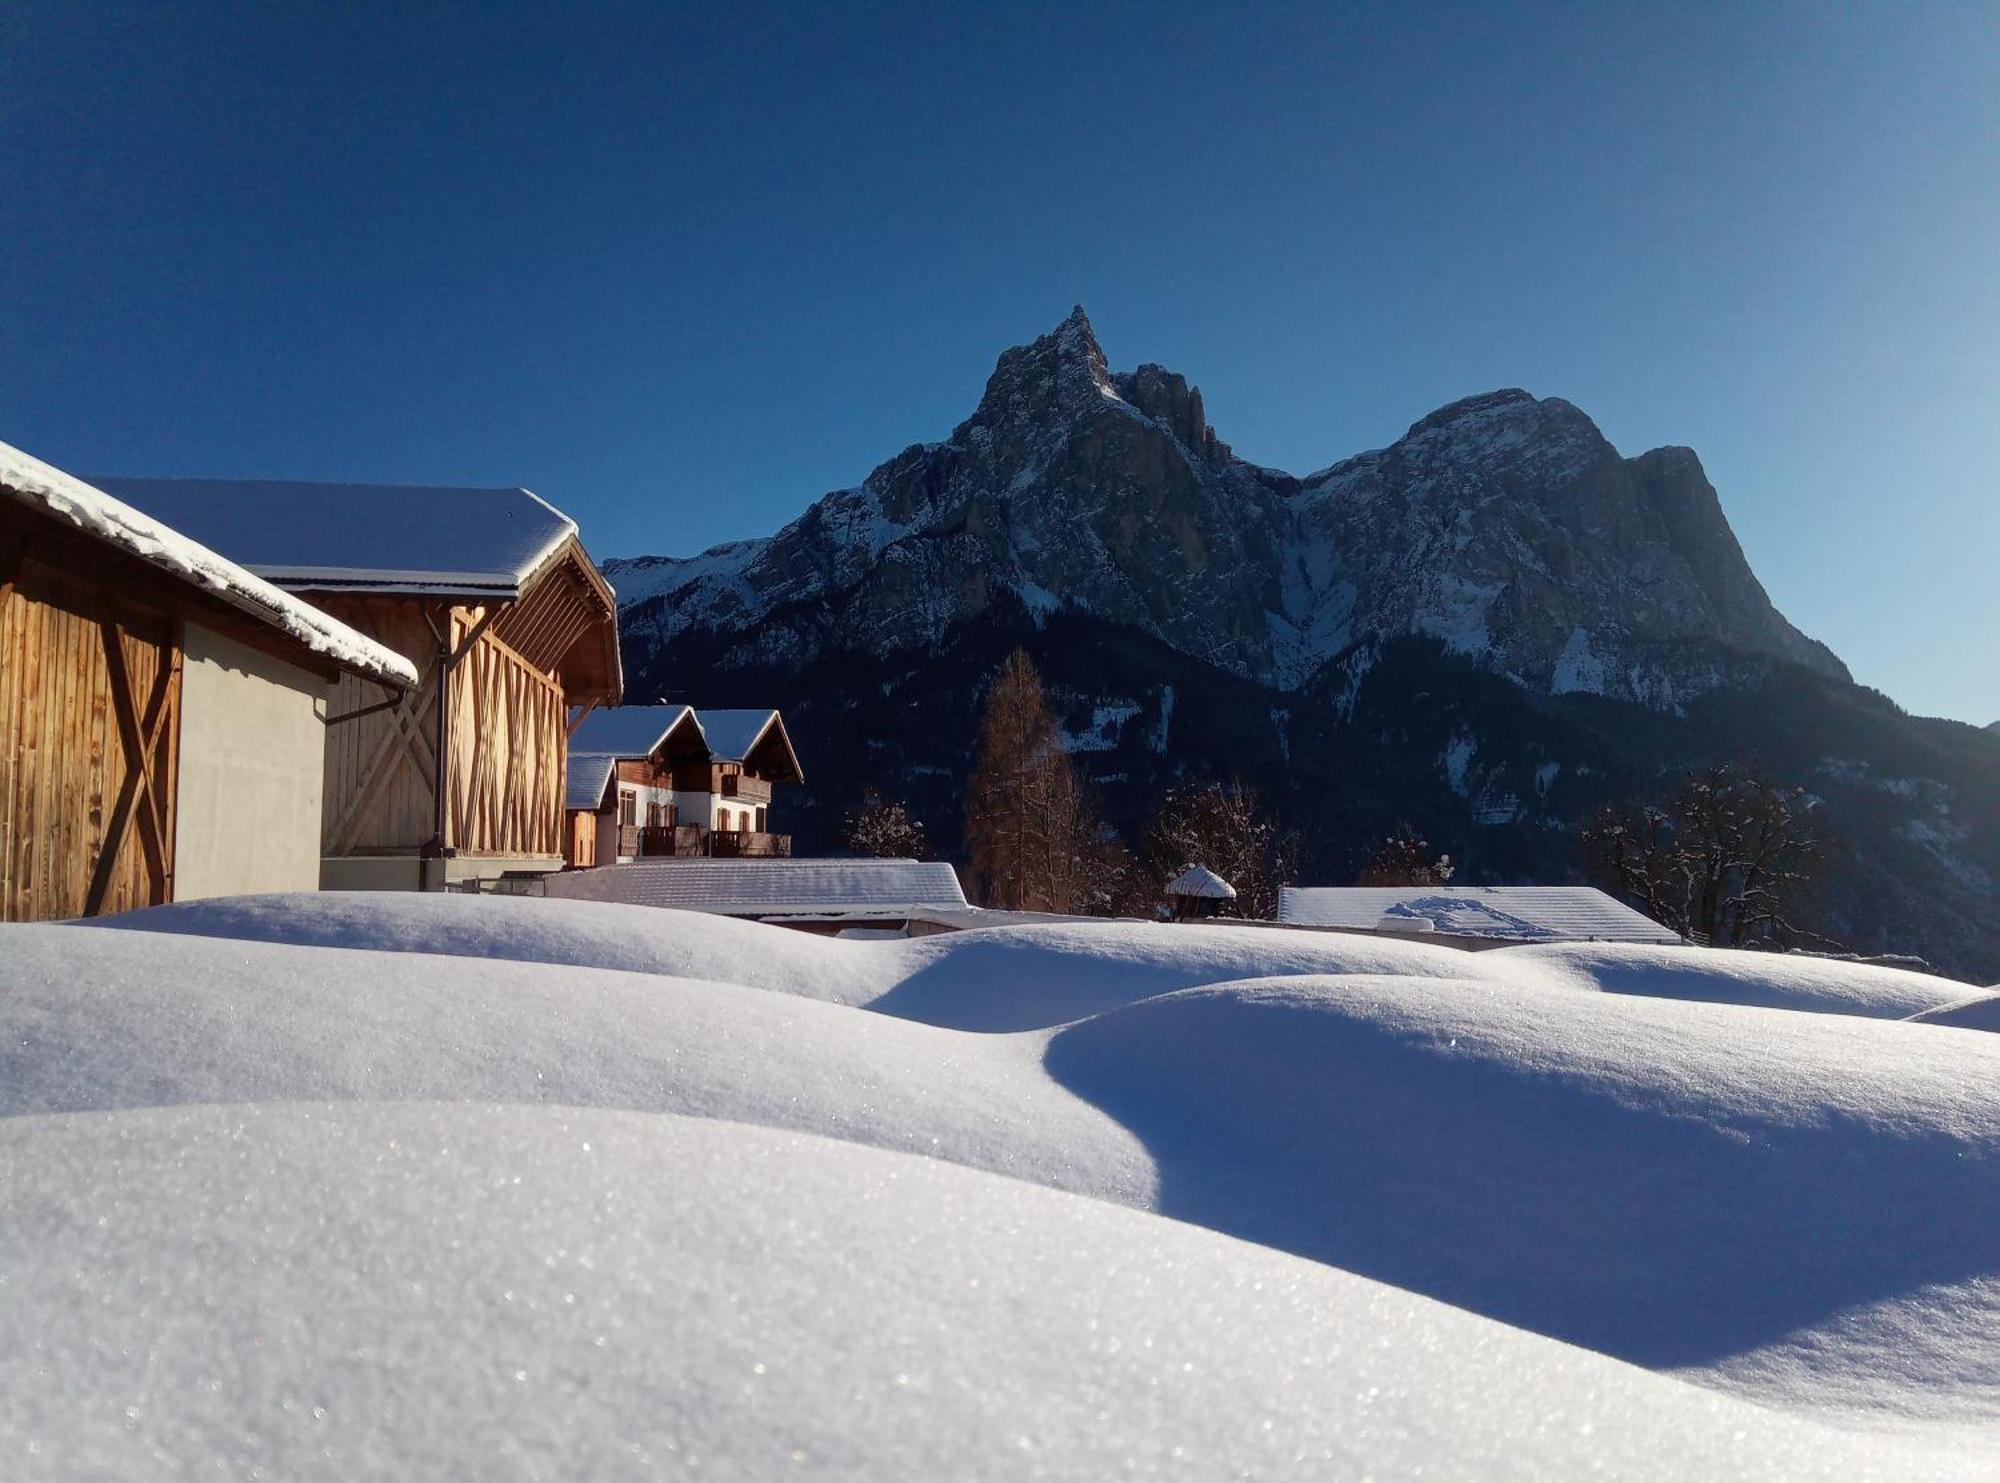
1406 858
1223 826
884 829
1727 861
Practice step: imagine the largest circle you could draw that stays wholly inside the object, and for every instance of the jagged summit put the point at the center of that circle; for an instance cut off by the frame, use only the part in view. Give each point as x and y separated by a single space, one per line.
1503 525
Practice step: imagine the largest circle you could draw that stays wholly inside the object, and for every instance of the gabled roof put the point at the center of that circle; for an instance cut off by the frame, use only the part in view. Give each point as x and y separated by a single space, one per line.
419 539
1505 913
589 775
40 486
631 730
734 735
771 888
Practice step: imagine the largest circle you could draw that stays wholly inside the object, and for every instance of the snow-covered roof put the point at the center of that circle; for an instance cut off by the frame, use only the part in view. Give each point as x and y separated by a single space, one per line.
769 888
365 537
734 735
1512 913
1199 880
731 734
628 730
91 510
589 773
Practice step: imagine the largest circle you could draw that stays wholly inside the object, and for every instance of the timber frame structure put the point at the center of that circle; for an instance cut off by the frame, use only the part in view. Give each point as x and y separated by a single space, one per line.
469 765
97 604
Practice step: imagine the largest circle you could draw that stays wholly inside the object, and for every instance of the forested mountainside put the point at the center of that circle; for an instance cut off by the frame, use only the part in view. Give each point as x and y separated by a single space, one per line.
1487 630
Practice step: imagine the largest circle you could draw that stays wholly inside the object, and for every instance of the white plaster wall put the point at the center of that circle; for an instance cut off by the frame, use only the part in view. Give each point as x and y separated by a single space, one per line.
252 768
643 794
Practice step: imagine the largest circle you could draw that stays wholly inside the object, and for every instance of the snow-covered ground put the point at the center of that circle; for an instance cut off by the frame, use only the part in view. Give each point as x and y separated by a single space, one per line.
400 1186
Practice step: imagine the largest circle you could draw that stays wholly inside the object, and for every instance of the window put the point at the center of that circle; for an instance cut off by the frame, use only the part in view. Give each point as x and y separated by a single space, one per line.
763 819
628 808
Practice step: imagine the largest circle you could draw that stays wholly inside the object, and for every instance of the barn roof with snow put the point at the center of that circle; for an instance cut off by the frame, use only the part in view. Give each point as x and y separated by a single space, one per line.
155 537
1493 913
420 539
366 542
771 888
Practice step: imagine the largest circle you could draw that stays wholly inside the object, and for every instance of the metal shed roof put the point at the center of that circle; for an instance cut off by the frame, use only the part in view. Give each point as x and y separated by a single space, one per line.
1510 913
769 888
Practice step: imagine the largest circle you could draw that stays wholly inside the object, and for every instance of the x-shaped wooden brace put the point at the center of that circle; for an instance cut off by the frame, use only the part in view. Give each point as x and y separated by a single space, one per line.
406 739
141 741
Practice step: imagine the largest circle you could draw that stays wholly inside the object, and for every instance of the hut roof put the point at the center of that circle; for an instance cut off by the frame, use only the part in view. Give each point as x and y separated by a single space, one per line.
1199 880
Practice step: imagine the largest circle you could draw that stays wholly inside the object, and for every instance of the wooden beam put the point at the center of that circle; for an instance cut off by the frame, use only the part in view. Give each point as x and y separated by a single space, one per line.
140 741
405 732
577 713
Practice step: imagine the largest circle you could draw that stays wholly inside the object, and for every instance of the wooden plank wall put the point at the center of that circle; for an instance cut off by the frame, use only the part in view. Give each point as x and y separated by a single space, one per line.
582 841
89 727
381 769
508 749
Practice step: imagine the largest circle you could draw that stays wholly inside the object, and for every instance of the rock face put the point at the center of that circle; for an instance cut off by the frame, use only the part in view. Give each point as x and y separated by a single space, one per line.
1504 526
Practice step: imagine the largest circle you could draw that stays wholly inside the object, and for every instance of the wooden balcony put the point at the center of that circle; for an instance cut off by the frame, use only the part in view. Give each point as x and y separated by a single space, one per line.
748 844
643 841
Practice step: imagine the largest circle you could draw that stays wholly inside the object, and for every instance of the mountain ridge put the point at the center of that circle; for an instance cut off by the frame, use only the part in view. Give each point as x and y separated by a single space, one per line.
1486 630
1073 483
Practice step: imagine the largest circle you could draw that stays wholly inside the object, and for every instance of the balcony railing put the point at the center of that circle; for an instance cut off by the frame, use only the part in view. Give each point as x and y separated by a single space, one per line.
748 844
651 841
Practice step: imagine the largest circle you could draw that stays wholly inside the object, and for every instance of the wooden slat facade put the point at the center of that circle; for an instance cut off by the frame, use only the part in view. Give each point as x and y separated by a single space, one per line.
89 722
508 750
506 737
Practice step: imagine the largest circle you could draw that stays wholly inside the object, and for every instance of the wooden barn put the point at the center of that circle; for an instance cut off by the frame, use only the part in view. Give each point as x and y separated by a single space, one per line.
162 710
514 634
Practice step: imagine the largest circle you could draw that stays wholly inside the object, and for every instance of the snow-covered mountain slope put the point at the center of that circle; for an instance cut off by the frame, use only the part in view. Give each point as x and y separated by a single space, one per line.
1791 1207
1506 526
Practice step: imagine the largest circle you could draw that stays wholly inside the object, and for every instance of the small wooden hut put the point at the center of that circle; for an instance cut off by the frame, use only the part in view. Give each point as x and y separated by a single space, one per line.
512 630
162 710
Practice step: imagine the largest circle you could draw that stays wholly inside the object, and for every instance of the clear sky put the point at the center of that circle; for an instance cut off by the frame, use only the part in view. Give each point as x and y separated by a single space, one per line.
683 272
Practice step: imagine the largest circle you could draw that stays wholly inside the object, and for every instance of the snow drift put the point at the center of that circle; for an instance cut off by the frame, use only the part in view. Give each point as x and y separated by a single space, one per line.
387 1291
282 1110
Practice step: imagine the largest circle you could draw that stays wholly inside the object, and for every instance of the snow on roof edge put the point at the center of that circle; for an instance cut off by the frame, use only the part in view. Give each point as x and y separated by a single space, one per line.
42 486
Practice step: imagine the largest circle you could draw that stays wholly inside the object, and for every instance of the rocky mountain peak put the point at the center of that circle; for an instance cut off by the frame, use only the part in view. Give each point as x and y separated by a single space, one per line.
1503 525
1166 397
1468 407
1061 374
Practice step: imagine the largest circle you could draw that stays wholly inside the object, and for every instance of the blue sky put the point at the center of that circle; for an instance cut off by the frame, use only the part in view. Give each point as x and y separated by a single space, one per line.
682 272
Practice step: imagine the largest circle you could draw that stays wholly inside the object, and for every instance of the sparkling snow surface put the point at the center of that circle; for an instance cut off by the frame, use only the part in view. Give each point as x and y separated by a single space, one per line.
401 1186
96 513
